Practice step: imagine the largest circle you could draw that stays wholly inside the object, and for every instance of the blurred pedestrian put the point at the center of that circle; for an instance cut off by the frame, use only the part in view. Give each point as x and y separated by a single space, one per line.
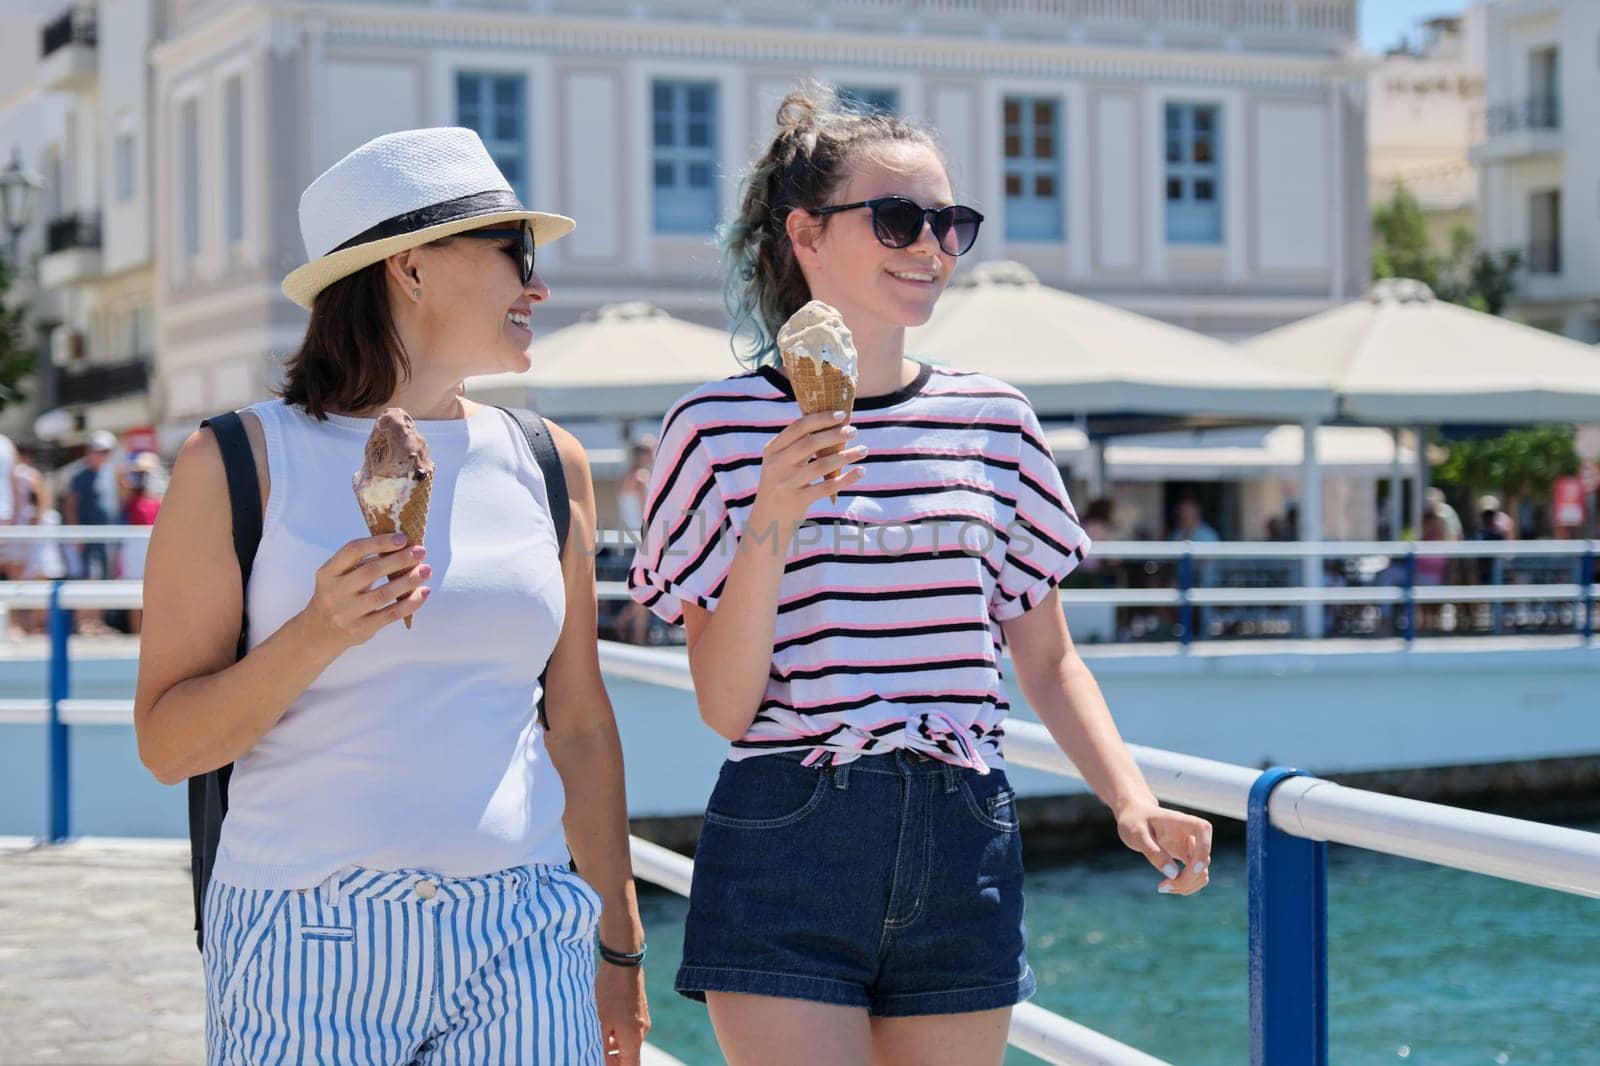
139 509
1435 501
633 618
85 506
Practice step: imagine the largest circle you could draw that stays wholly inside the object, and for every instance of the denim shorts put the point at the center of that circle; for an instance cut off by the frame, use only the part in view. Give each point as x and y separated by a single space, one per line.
893 883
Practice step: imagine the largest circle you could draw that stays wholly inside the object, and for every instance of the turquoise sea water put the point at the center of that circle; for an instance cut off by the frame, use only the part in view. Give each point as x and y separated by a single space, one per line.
1427 966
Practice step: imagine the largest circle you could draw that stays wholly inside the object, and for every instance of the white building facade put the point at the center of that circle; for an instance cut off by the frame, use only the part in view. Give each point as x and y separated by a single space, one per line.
1203 161
1421 108
1540 159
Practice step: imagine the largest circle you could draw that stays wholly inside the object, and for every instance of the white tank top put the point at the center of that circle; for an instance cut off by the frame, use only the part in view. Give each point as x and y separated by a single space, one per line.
420 749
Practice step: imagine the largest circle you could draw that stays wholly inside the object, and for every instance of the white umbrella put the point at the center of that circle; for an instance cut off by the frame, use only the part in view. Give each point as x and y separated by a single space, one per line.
1072 355
1401 357
624 361
1235 454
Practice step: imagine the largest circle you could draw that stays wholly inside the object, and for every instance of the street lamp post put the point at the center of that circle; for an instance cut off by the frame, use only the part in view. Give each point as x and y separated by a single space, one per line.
19 191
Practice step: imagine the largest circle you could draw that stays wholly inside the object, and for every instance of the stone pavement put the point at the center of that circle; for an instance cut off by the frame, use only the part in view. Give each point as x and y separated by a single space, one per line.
97 955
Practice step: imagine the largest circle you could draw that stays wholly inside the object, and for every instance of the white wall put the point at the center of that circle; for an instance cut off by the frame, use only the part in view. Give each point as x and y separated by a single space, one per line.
1293 187
125 108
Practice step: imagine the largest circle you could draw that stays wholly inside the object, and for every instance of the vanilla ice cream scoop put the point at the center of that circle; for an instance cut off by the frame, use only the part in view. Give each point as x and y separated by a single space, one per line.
817 332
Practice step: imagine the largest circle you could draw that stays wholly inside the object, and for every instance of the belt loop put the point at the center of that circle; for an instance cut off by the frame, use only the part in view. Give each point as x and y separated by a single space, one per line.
952 776
841 776
334 884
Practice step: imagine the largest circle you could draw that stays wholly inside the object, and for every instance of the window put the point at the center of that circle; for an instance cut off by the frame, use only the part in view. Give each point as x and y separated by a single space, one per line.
233 159
189 164
1033 169
494 106
1544 232
867 101
1194 174
125 167
143 339
685 157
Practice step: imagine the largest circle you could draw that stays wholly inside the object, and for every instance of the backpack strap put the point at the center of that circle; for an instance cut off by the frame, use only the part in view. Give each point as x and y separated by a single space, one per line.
545 454
555 476
208 793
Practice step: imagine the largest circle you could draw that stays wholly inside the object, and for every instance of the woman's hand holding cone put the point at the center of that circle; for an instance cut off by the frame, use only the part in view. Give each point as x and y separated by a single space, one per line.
346 609
793 468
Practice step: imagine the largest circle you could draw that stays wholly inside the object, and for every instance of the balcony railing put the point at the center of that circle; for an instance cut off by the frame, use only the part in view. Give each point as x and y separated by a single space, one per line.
71 27
1529 113
1544 257
72 231
98 382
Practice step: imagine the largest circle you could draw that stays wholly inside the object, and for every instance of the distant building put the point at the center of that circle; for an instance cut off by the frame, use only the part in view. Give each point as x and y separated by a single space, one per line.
1421 106
1200 160
1539 158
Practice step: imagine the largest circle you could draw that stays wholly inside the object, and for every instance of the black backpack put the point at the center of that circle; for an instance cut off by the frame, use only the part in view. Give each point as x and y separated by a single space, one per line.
208 793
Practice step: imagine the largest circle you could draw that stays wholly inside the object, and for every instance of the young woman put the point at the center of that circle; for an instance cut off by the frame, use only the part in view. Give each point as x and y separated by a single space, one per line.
857 894
392 883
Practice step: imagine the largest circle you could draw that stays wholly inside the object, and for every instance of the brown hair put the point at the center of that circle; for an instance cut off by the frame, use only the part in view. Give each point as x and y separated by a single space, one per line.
352 358
804 166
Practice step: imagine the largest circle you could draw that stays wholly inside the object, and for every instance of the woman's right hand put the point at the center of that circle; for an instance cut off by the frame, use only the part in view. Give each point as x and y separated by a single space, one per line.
790 469
346 609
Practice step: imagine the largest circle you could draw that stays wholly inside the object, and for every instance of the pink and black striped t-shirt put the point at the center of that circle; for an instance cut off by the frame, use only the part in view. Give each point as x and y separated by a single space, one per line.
888 632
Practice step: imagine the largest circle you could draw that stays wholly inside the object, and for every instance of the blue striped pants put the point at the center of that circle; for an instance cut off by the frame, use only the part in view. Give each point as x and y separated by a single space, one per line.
404 967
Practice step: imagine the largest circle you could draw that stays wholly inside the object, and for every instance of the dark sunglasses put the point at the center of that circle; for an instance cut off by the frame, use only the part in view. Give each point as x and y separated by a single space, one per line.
897 222
521 253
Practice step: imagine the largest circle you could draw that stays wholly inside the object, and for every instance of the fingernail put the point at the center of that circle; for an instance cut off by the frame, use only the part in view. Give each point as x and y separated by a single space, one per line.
861 449
1199 867
849 431
838 416
1170 869
1165 890
418 552
425 591
398 539
424 571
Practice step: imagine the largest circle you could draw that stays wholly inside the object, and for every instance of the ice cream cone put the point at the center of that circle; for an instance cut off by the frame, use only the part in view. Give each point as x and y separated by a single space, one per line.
821 387
395 482
413 520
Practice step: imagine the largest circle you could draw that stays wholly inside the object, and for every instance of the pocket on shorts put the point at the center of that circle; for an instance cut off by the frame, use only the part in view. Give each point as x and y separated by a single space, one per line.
991 802
750 795
266 930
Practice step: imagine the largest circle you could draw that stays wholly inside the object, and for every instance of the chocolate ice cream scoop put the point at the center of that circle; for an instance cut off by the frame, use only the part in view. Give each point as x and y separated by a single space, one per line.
395 481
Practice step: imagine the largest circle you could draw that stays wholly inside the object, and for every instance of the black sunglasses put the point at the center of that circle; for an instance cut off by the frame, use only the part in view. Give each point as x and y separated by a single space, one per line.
521 253
897 222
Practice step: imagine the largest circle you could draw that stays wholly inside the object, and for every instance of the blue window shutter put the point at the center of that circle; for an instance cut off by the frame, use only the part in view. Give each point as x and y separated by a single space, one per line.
1194 173
1033 169
495 106
683 125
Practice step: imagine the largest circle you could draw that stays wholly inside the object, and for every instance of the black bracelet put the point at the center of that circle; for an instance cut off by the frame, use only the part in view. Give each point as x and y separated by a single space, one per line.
630 960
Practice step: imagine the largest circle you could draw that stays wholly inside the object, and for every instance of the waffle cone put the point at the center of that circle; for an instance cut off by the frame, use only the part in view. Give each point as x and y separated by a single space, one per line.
413 520
821 387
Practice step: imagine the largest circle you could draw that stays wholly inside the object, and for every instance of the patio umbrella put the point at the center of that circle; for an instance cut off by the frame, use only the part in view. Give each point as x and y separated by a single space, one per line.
624 361
1074 356
1400 357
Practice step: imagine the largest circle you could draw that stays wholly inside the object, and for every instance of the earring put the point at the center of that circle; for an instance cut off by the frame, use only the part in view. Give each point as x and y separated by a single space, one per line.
416 293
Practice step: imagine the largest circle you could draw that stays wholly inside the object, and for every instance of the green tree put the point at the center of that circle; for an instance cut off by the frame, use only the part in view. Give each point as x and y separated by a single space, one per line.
1518 462
17 358
1465 275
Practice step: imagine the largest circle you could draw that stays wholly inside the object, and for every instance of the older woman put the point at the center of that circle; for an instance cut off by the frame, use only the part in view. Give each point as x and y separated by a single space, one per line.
392 882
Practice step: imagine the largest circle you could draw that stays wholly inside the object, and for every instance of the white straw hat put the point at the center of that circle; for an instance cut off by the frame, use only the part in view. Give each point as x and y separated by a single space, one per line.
399 191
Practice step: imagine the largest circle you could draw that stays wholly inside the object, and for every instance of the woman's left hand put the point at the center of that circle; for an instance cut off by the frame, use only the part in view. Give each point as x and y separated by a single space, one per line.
1167 838
624 1014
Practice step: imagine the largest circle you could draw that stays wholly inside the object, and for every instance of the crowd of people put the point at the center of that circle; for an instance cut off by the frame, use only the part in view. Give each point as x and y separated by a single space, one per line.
1441 522
105 486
